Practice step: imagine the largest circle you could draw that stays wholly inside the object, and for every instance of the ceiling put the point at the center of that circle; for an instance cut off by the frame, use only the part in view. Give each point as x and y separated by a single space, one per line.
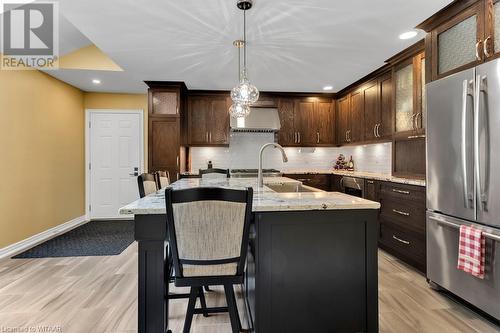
293 45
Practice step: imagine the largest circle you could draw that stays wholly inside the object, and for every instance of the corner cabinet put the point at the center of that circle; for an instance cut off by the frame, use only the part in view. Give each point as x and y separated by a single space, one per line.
306 121
208 120
166 103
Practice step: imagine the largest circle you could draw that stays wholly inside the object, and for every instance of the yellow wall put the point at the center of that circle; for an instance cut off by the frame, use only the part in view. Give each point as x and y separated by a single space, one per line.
88 57
121 101
42 154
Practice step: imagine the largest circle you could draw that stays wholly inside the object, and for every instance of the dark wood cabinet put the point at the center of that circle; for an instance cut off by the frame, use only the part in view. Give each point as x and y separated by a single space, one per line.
343 119
306 121
286 111
336 183
371 110
357 128
460 36
386 121
321 181
166 103
208 120
372 190
402 222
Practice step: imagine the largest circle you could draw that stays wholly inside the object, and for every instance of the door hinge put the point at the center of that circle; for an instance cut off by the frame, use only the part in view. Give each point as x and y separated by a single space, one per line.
90 208
90 124
90 166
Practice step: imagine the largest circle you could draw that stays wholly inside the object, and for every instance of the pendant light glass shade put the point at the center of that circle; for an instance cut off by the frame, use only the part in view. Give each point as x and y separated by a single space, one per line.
239 110
245 92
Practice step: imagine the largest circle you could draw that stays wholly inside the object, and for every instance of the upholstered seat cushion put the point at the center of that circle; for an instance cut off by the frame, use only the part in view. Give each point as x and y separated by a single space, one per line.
209 230
149 187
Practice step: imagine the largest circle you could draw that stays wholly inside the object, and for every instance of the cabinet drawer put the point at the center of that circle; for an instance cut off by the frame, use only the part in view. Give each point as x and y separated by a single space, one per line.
404 244
415 194
404 213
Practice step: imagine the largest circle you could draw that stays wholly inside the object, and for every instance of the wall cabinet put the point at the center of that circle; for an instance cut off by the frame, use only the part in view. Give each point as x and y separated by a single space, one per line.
365 114
461 36
409 95
208 120
343 119
306 121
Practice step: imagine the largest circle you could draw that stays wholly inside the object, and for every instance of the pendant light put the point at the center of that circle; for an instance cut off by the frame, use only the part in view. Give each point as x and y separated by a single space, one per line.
245 93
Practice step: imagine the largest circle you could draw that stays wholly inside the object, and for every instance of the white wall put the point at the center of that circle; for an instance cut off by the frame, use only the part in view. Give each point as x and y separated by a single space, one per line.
244 149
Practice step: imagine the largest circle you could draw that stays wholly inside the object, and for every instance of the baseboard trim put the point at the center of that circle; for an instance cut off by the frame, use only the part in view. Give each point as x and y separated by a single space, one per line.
34 240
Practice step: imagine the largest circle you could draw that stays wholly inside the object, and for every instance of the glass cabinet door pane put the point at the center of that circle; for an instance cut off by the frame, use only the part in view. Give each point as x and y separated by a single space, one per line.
496 25
457 45
165 103
404 99
424 97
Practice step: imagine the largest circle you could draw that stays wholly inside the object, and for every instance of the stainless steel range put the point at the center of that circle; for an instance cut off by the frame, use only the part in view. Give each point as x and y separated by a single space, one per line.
252 173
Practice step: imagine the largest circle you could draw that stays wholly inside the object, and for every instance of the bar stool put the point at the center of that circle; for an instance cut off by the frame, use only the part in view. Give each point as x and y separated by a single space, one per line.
147 184
162 179
214 173
209 231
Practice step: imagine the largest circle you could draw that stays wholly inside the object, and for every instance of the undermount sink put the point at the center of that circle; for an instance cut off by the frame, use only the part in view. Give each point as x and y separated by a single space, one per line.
291 188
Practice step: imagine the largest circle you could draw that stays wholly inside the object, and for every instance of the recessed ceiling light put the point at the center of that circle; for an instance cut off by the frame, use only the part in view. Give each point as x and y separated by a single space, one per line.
408 34
326 88
96 81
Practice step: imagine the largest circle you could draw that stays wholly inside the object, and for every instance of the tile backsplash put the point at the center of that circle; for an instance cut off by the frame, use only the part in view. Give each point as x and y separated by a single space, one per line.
244 150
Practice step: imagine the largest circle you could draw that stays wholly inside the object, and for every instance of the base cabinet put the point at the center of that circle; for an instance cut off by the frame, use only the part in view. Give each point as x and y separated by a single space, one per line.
321 181
402 223
299 280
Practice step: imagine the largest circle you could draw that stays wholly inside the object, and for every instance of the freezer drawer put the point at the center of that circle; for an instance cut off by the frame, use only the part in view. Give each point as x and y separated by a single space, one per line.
442 257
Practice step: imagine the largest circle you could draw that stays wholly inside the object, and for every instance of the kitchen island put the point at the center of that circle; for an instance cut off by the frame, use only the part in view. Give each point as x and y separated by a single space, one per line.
312 258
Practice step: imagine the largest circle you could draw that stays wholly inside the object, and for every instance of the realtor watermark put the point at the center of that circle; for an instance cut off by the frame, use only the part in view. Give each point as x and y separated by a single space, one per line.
30 35
32 329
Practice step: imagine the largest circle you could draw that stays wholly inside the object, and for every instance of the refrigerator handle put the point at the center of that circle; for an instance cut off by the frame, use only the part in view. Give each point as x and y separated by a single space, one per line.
477 164
465 94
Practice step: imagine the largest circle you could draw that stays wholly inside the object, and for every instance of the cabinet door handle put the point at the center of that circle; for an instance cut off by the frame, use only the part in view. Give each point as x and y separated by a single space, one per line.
400 191
485 47
413 126
346 136
478 56
295 138
375 130
177 161
400 240
349 135
317 134
210 136
378 128
400 212
298 134
206 135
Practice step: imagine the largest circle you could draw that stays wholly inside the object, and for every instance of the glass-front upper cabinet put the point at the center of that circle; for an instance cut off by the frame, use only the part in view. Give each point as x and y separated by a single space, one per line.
404 98
458 43
409 95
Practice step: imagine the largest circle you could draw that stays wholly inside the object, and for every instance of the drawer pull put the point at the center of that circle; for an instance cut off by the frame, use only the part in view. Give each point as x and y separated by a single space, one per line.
302 179
400 212
400 191
370 181
400 240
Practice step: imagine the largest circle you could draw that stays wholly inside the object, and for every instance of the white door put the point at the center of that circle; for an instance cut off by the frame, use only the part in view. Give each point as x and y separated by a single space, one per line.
114 161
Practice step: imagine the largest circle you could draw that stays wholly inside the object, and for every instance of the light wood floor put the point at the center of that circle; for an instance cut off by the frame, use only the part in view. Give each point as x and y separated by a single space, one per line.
99 294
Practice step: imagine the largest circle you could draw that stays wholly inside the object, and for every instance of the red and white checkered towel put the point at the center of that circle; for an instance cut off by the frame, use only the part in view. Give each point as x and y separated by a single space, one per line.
471 251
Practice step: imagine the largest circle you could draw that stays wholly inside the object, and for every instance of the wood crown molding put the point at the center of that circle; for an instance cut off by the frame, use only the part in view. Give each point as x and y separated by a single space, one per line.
407 53
445 14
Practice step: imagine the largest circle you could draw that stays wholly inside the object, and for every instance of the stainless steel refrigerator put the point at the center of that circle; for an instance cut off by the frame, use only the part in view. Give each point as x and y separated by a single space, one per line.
463 179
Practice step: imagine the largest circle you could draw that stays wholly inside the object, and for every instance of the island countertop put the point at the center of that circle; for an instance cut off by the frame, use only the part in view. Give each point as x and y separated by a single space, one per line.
265 199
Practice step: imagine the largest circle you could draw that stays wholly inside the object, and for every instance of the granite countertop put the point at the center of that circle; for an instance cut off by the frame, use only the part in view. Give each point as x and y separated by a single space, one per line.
265 199
359 174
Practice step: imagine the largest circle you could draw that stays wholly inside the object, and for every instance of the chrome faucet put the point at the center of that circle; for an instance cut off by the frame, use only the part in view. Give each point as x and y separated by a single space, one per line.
260 178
